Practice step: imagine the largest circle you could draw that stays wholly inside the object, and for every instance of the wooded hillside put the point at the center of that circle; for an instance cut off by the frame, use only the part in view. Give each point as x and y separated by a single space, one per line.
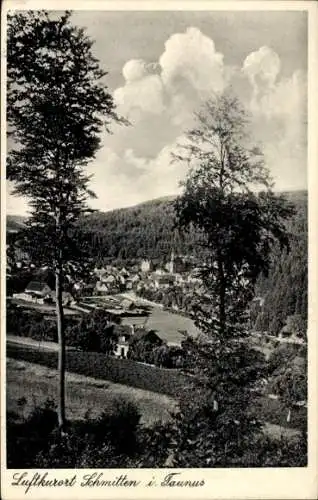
147 231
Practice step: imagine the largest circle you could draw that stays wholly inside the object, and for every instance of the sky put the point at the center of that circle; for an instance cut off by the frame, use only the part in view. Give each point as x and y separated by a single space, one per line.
163 65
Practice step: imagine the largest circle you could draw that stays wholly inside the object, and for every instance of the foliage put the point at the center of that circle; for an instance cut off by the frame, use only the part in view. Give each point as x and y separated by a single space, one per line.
291 386
106 441
285 355
130 234
288 368
284 291
51 69
25 440
30 324
150 226
92 332
169 357
119 440
142 349
238 226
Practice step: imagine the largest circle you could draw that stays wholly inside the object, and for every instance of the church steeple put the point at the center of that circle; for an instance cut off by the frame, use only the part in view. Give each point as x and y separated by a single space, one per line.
171 264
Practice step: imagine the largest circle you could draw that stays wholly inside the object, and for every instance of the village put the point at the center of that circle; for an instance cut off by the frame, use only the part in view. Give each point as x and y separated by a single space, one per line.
146 304
121 294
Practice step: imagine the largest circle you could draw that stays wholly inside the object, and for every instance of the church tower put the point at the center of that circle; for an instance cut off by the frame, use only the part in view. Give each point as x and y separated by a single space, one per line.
171 263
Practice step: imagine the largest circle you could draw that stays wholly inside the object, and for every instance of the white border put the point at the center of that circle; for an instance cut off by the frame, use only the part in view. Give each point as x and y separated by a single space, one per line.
273 483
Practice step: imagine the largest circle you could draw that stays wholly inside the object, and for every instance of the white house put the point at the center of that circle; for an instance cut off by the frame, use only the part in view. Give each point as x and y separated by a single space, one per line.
101 287
145 266
37 292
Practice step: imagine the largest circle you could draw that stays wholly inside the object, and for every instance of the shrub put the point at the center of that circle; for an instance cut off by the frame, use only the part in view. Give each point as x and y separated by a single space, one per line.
25 440
107 441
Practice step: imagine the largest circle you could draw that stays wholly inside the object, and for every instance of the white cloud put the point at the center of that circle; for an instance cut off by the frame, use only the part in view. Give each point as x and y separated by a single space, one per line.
191 58
278 107
140 94
261 66
135 69
159 99
127 179
188 71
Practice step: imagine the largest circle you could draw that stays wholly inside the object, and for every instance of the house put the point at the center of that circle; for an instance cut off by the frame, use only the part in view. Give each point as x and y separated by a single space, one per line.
67 298
38 288
166 281
145 266
159 272
135 278
150 336
123 334
172 339
127 304
101 287
122 279
124 272
286 335
170 265
109 280
129 284
36 291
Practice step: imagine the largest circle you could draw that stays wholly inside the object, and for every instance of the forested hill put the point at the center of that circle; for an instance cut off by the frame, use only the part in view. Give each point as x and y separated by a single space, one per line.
147 231
284 291
143 231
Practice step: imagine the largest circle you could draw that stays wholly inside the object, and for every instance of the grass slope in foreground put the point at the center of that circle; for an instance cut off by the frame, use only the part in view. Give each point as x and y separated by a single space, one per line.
30 385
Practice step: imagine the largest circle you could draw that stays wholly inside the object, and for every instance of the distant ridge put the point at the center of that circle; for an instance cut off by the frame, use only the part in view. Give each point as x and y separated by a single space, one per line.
16 221
154 201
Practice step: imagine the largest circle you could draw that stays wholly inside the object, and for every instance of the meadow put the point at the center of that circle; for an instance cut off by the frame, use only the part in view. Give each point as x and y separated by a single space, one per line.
30 385
163 385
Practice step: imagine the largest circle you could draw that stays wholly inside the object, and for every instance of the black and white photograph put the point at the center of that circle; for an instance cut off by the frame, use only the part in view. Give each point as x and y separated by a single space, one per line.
156 242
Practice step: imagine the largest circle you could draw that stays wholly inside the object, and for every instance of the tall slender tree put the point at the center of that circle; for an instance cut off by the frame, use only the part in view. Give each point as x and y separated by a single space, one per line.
57 106
218 423
238 225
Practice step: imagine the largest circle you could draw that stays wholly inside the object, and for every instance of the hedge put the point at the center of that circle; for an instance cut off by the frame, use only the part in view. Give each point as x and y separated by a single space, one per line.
98 365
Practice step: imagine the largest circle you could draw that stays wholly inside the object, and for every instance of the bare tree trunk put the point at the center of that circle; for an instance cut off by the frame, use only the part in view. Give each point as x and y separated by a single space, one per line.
61 341
222 314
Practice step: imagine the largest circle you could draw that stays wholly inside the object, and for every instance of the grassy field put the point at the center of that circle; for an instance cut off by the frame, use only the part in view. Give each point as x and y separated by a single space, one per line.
98 365
134 379
29 385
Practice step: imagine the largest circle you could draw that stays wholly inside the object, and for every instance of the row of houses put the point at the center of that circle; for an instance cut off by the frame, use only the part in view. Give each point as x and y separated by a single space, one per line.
114 280
130 321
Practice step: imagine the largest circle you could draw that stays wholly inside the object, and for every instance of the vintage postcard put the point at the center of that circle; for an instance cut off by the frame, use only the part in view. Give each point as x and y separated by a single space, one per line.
159 258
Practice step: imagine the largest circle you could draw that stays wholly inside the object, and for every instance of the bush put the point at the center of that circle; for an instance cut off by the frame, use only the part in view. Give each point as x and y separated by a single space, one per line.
107 441
284 355
201 438
25 440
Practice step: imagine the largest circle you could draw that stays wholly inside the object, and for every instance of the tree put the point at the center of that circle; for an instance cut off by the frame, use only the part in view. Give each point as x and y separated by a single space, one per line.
237 225
57 105
295 325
